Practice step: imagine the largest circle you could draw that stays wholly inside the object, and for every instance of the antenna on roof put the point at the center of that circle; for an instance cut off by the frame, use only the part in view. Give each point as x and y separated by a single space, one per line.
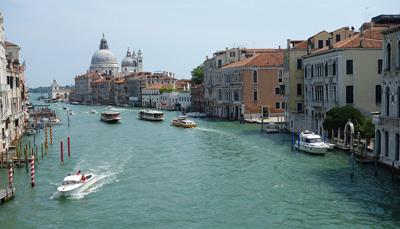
366 14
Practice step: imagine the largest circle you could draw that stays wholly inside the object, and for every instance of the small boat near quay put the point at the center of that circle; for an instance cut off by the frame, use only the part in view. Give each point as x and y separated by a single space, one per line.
151 115
311 143
110 116
272 127
30 132
73 184
182 121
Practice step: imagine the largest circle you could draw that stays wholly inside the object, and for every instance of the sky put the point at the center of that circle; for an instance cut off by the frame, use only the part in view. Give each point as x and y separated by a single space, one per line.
59 38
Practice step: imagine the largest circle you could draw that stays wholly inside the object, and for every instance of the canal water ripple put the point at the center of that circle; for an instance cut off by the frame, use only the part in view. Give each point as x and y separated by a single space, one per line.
218 175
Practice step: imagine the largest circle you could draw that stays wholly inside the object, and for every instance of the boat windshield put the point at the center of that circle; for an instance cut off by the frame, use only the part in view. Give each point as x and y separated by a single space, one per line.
315 140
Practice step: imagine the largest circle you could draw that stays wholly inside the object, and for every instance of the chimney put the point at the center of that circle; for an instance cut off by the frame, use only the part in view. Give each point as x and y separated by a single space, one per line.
206 57
288 43
361 44
174 86
330 41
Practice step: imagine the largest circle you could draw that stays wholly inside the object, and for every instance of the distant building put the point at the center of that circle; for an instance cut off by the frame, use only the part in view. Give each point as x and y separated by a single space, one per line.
83 90
150 95
197 96
132 63
103 60
57 93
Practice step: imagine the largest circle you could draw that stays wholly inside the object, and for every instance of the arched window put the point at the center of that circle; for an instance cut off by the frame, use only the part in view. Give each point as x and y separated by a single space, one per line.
334 68
386 144
397 147
312 71
387 100
255 94
255 76
388 56
326 69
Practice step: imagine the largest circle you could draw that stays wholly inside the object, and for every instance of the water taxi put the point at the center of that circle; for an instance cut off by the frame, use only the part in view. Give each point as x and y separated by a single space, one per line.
151 115
272 127
182 121
110 116
311 143
73 184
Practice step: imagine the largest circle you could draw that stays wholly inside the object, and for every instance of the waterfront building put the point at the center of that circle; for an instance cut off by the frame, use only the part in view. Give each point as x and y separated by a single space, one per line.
293 75
197 97
83 90
103 60
387 124
220 59
132 63
343 74
120 91
250 87
103 90
57 93
150 95
12 92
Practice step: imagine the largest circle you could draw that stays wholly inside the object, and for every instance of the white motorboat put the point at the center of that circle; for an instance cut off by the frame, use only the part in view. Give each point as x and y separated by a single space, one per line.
151 115
182 121
272 127
311 143
110 116
30 132
110 108
74 184
93 111
70 112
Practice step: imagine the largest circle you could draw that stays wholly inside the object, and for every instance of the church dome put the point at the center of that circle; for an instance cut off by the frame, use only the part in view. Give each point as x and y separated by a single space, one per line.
104 57
128 61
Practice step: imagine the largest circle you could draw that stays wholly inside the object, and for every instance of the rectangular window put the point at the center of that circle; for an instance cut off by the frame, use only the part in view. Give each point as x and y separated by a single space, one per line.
320 44
219 63
327 43
349 67
299 64
349 94
277 91
299 107
378 93
277 105
299 89
380 66
283 105
232 54
337 37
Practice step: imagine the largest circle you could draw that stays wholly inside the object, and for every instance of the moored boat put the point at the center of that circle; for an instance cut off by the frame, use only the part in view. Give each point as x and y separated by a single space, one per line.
151 115
182 121
110 116
272 127
73 184
311 143
30 132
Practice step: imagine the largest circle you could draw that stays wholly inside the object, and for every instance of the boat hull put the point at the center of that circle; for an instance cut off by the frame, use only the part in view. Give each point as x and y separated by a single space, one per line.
182 125
67 191
110 120
311 150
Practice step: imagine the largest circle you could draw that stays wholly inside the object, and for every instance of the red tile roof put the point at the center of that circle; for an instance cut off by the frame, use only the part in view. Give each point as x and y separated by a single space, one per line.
92 74
371 38
156 86
259 60
302 45
9 43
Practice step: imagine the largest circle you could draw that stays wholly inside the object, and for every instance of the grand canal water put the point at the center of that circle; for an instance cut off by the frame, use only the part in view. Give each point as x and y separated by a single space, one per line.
218 175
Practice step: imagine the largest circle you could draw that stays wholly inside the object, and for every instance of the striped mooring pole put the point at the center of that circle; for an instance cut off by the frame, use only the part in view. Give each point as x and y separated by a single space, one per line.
32 160
46 141
51 135
10 174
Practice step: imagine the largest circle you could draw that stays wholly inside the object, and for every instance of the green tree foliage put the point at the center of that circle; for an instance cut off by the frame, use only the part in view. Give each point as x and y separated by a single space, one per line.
166 89
368 130
338 117
197 75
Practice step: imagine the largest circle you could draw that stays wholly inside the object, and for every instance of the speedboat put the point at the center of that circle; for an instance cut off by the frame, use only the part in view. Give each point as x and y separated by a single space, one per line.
93 111
151 115
311 143
110 108
272 127
110 116
73 184
70 112
182 121
65 108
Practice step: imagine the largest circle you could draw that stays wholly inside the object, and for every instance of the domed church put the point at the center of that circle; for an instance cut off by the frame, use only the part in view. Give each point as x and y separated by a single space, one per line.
131 63
103 60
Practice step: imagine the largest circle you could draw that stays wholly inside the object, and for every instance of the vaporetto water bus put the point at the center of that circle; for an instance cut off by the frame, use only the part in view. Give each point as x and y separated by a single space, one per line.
151 115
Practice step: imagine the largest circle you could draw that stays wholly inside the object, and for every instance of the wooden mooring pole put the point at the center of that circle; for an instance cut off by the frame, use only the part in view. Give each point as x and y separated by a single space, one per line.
352 165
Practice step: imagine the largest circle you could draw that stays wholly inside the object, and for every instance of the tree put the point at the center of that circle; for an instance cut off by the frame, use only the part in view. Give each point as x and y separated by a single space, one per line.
338 117
197 75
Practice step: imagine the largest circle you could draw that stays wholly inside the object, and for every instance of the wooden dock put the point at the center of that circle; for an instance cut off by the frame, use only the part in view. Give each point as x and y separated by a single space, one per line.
6 194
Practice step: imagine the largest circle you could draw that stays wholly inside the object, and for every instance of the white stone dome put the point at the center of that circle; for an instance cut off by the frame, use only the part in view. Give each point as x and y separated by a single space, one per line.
104 57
